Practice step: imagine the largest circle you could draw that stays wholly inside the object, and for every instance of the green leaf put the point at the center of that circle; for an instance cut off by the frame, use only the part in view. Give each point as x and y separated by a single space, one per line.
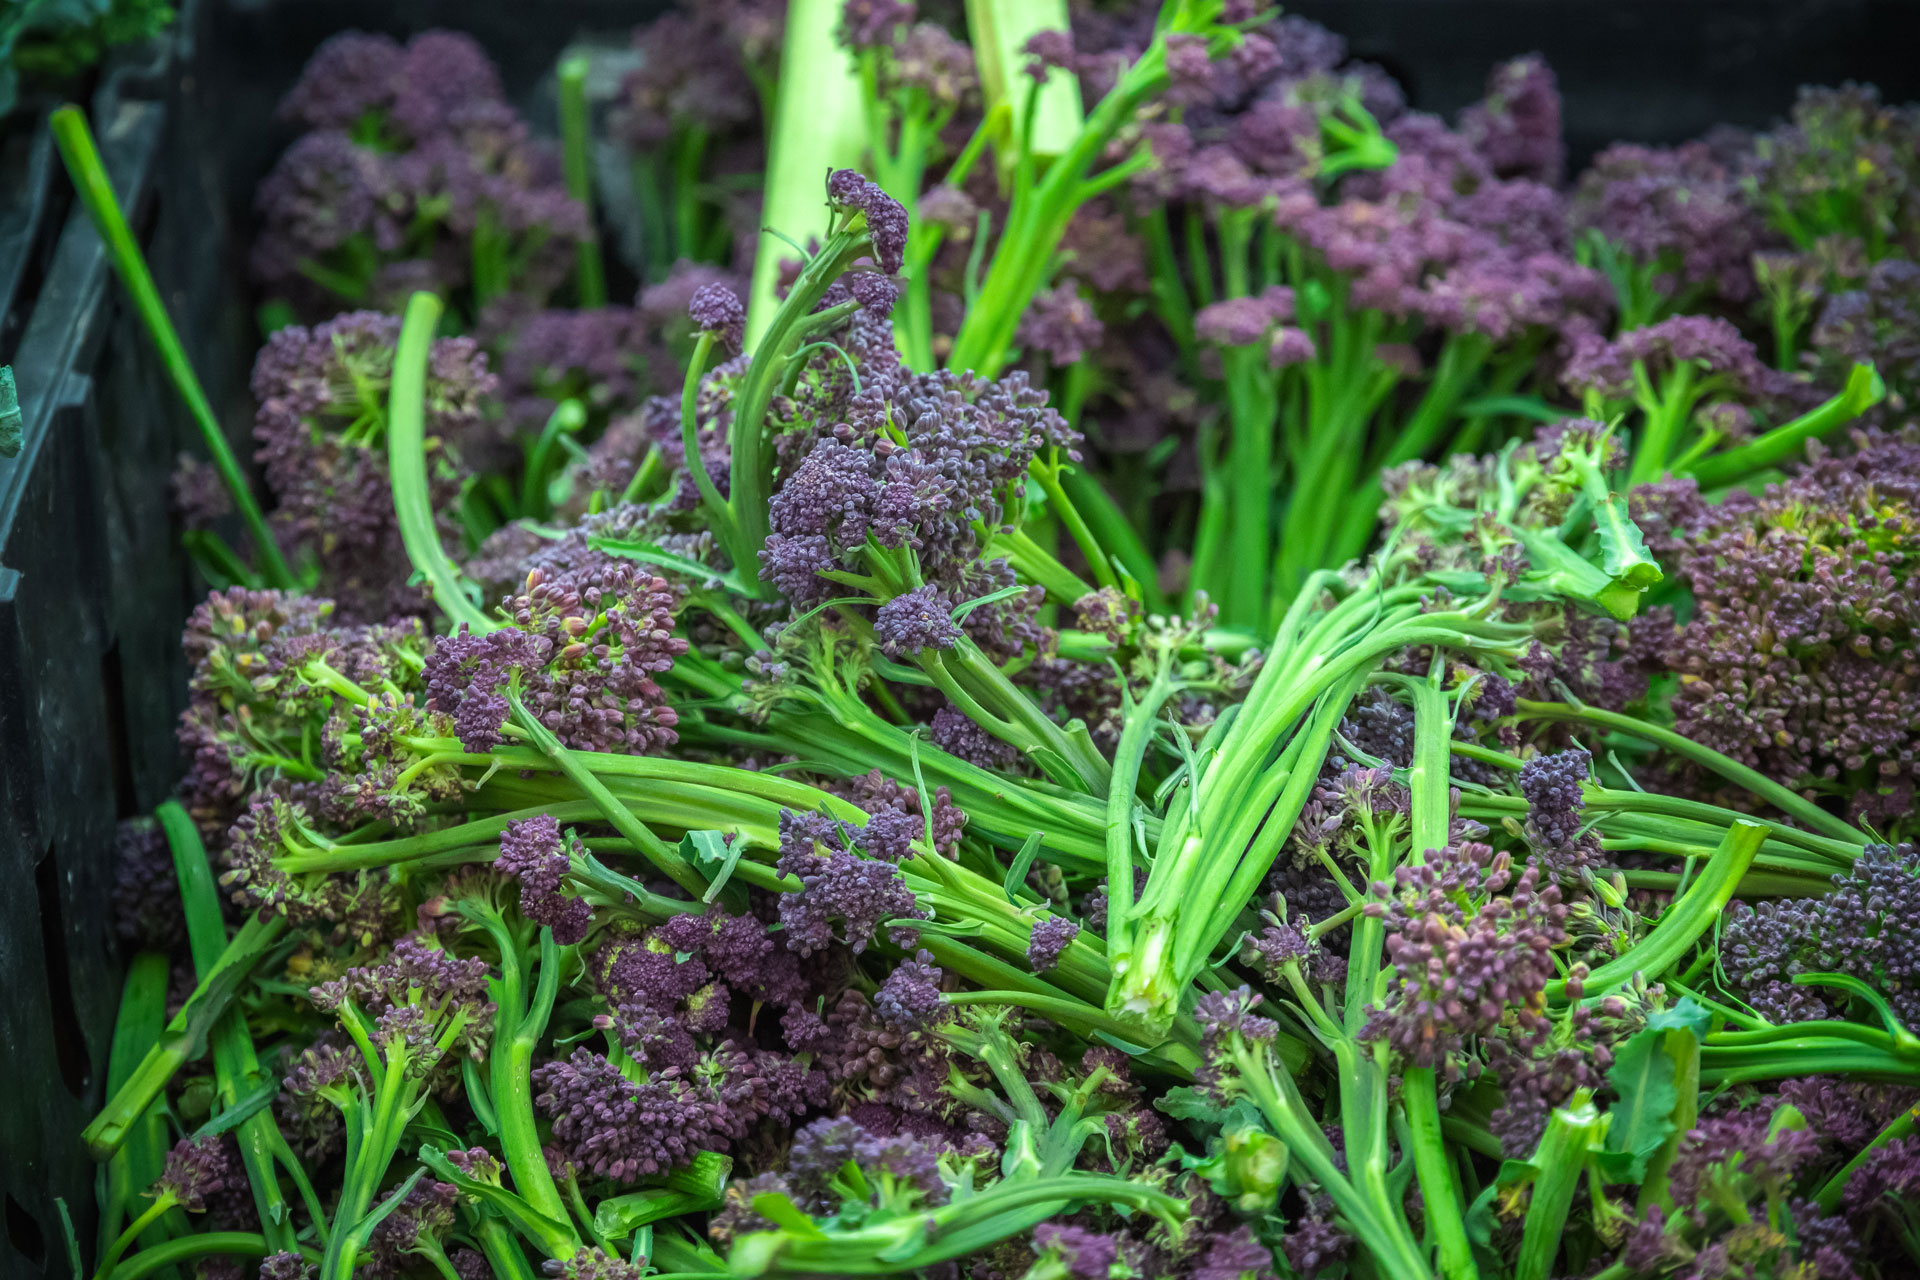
1022 863
651 553
1188 1103
784 1213
242 1107
714 856
11 428
1643 1075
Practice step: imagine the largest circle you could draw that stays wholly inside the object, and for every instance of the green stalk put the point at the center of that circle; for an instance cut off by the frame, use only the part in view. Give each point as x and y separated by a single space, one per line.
1682 924
1561 1162
136 1032
576 157
236 1067
206 1244
1139 720
511 1067
999 31
566 419
719 513
1430 785
1830 1193
669 862
1683 1046
185 1036
819 125
1864 389
407 465
1762 787
95 188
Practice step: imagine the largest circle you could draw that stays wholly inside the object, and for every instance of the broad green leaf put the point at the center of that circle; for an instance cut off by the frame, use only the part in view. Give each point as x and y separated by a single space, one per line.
714 856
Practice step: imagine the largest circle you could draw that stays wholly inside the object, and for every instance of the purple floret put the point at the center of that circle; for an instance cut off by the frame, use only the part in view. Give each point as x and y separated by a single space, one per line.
1517 126
886 218
1061 325
1050 937
348 76
1235 1255
443 75
204 1175
1470 946
824 1147
909 999
533 852
717 309
918 620
836 884
1087 1255
464 676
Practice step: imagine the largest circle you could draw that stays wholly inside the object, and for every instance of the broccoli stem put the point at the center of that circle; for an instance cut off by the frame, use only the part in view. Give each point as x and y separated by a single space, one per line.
82 158
136 1032
206 1244
406 463
819 125
184 1037
576 154
1430 785
1561 1160
236 1067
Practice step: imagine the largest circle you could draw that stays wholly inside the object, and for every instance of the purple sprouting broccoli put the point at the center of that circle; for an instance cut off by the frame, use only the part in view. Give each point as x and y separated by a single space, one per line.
1845 165
910 997
716 309
420 1005
655 1099
1669 226
1736 1157
837 884
1866 928
836 1163
1050 938
204 1175
284 700
414 1229
1075 1253
1470 946
1877 323
600 357
588 643
321 429
1690 370
1516 127
291 1266
1799 656
1235 1255
1061 325
960 737
416 174
594 1263
886 220
147 911
1554 788
968 442
884 798
913 621
533 852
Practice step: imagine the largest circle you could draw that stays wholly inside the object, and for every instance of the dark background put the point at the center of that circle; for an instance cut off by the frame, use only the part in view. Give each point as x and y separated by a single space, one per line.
93 587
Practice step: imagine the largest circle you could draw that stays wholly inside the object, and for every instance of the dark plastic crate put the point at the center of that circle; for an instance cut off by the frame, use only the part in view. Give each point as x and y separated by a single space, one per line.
93 588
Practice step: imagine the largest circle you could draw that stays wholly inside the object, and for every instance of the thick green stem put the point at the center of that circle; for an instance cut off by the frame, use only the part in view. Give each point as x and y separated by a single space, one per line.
95 188
407 465
1681 924
1561 1164
658 852
1762 787
210 1244
576 155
